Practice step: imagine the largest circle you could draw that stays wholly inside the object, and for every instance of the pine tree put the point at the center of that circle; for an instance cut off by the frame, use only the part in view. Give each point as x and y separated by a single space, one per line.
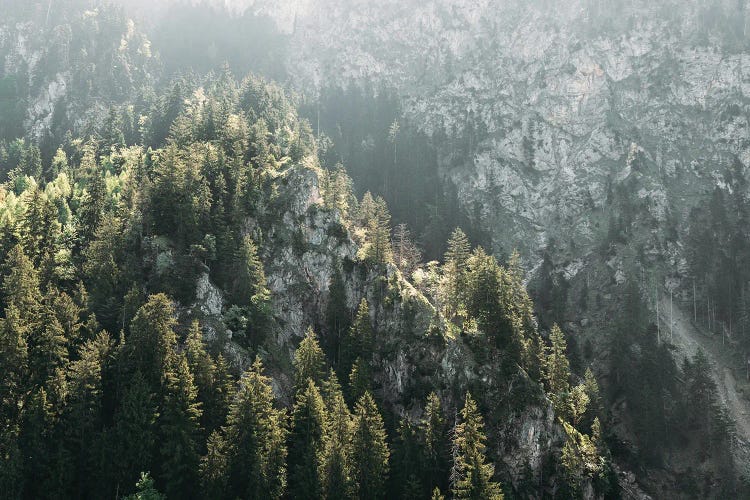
359 340
556 364
224 390
379 251
457 255
338 316
359 379
370 451
249 289
309 361
454 270
179 429
306 443
11 463
213 467
47 346
145 489
36 443
14 360
435 436
336 454
407 462
41 233
152 341
249 280
256 437
134 434
202 369
83 417
472 475
406 255
20 286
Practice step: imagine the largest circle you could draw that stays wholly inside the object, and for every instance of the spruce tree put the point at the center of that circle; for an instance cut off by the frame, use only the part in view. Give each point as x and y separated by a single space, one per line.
309 361
359 379
224 389
47 346
203 370
134 435
359 340
454 269
83 418
179 430
36 443
370 451
407 462
338 316
20 287
152 341
556 364
14 360
306 443
336 455
145 489
213 467
472 475
379 251
436 443
256 440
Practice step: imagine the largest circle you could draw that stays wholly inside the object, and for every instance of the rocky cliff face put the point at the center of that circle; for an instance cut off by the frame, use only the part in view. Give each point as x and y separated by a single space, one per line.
548 106
67 67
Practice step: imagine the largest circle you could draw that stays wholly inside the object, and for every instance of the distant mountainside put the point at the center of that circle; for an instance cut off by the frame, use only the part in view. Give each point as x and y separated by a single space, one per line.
608 141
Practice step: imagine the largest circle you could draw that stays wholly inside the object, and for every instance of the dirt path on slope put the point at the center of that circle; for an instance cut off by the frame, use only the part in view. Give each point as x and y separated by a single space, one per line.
688 339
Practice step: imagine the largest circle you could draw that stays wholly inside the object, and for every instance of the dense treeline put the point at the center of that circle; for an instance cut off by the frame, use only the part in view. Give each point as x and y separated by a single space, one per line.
109 377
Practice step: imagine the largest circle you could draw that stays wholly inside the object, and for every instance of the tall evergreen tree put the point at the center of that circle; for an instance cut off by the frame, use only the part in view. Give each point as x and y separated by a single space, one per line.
472 475
370 451
83 419
256 440
306 443
179 431
14 359
338 316
152 341
213 470
309 361
359 340
359 380
133 434
20 287
436 442
556 364
379 234
203 371
454 269
336 454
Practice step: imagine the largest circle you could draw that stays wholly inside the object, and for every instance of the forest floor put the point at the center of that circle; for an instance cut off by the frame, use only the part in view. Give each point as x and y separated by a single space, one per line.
687 337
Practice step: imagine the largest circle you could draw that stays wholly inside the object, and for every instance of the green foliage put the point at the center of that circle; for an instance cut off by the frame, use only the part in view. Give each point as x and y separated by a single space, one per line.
338 316
370 451
152 341
472 475
436 442
179 431
358 342
146 489
255 438
556 365
306 443
309 361
336 454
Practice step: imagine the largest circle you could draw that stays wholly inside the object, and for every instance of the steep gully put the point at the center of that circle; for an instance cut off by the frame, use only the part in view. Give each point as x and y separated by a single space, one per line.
678 328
